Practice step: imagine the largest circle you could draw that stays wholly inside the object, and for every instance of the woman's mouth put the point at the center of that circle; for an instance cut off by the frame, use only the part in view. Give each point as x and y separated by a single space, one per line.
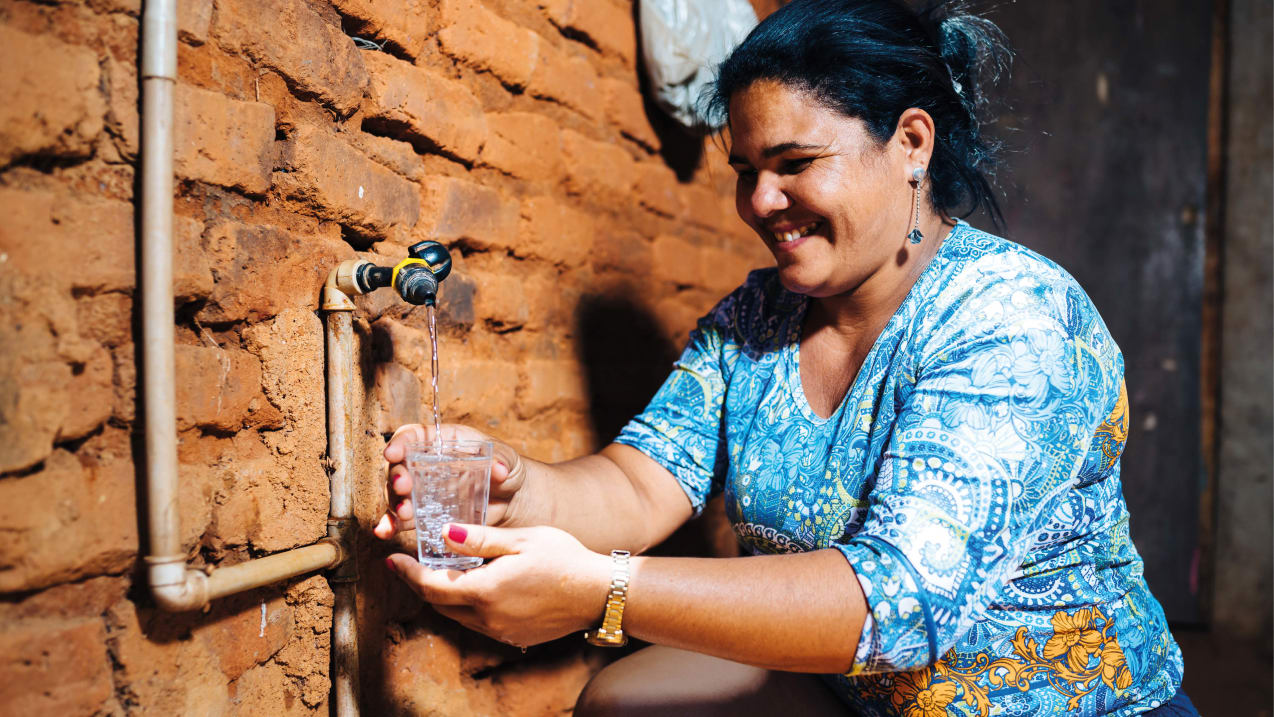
787 239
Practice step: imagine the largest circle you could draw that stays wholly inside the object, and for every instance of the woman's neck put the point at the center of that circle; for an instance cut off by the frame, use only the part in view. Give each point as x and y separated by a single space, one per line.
858 316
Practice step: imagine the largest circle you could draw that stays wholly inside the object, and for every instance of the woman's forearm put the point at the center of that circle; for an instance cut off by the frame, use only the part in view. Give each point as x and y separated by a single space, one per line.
799 613
618 498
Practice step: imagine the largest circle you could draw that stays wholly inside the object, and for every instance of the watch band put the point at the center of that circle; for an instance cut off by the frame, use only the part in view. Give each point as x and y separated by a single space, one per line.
611 631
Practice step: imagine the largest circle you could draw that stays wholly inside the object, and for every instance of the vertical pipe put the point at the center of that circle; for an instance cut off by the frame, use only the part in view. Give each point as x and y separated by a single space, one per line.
159 75
345 648
340 340
340 353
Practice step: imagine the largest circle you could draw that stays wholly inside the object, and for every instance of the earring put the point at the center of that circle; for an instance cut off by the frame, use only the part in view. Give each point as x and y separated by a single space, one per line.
917 176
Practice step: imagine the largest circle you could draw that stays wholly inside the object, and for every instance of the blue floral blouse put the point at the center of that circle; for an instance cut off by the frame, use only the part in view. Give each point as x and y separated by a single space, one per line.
970 477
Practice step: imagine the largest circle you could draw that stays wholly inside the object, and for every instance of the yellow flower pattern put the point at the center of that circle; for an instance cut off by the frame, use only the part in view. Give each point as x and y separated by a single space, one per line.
1065 662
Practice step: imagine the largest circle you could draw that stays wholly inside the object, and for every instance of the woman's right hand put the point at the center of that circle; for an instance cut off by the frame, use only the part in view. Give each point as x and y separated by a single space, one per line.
507 475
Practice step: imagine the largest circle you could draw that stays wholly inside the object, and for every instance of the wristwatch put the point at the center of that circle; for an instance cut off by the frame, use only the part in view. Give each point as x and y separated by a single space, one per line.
611 631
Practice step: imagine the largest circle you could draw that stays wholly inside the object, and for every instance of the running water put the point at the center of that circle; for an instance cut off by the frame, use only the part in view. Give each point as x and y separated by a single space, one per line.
433 340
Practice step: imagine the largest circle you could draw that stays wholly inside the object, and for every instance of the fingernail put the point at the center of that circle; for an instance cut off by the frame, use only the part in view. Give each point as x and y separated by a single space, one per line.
389 563
457 534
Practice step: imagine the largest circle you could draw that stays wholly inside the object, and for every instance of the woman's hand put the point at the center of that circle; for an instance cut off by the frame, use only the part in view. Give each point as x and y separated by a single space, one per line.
538 584
507 475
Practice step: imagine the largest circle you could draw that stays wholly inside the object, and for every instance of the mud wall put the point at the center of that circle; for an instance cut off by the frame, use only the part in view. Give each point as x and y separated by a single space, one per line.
587 233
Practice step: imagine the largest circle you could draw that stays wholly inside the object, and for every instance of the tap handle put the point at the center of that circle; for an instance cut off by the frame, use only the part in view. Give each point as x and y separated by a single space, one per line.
435 255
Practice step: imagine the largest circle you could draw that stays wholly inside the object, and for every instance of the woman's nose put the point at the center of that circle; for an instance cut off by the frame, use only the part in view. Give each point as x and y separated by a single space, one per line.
768 196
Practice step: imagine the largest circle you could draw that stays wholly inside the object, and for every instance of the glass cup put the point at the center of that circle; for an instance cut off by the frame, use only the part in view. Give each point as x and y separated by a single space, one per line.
450 483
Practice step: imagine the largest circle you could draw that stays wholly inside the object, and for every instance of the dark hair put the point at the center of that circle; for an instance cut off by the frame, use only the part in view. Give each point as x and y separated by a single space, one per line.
873 59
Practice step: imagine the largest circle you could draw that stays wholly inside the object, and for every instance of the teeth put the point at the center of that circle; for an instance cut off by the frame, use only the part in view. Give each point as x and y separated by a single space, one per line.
784 237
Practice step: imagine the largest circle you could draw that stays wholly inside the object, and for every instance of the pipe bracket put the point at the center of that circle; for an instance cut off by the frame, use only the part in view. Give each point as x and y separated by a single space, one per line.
344 531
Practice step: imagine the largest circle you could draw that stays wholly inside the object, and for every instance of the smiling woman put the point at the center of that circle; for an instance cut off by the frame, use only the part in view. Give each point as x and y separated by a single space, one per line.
916 427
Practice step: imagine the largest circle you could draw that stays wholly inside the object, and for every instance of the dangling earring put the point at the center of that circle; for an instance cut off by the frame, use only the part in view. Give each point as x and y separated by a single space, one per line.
917 176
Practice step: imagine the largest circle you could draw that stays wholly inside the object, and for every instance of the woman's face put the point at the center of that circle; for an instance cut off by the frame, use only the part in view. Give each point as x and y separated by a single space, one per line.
832 204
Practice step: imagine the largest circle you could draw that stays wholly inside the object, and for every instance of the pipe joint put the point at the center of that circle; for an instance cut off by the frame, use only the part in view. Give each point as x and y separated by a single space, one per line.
341 283
190 593
166 570
343 532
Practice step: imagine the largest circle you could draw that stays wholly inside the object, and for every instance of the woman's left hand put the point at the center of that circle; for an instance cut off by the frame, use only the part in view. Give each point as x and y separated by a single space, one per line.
536 585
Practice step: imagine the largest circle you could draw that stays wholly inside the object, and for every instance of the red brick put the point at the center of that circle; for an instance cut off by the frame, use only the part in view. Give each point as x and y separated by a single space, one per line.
123 99
478 37
406 24
87 598
472 383
54 667
52 101
105 318
341 184
678 261
221 140
406 346
599 171
263 270
34 408
625 110
290 37
401 398
459 209
220 388
194 19
44 233
544 384
566 79
607 24
163 670
392 154
623 251
234 633
677 318
291 347
525 145
656 187
89 395
703 206
90 528
554 231
726 268
500 299
424 105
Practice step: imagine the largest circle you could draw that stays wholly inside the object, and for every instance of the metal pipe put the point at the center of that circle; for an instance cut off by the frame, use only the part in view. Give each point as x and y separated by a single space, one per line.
273 568
340 363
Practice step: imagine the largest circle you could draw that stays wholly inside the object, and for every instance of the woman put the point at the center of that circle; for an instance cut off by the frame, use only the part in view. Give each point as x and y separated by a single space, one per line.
916 426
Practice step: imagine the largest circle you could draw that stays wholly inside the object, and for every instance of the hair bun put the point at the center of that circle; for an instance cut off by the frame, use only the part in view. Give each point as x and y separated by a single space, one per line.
974 49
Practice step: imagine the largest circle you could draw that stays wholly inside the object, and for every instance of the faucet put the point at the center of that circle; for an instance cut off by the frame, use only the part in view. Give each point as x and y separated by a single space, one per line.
415 278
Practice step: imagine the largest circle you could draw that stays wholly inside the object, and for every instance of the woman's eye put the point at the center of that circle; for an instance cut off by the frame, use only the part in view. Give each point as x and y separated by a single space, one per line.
746 175
795 166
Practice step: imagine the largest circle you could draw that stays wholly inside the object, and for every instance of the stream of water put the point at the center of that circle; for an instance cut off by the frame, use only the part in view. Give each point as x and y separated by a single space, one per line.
433 365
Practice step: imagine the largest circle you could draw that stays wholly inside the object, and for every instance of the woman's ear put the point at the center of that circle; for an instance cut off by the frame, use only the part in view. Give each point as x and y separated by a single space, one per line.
915 135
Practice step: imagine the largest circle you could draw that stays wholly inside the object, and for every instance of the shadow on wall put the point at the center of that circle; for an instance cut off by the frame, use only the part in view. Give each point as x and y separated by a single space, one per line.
626 359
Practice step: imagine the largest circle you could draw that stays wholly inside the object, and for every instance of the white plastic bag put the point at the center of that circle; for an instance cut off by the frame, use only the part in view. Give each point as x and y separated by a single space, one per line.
682 42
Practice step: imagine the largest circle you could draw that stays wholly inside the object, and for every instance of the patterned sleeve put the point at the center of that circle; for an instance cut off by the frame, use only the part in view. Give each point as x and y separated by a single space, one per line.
681 428
1009 393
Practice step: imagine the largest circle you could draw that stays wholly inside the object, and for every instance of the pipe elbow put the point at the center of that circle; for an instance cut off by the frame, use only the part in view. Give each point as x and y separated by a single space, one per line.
191 593
341 284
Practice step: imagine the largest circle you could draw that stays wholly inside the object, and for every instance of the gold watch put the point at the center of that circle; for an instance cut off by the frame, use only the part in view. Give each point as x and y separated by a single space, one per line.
611 631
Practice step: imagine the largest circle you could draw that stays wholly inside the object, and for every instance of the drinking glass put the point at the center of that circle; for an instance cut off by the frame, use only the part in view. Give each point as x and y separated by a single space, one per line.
450 483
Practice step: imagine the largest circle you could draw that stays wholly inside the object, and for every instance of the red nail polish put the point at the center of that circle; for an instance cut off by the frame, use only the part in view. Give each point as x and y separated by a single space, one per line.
389 563
457 534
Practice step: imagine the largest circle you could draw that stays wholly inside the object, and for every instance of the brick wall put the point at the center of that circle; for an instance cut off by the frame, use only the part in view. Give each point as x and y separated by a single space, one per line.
587 235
